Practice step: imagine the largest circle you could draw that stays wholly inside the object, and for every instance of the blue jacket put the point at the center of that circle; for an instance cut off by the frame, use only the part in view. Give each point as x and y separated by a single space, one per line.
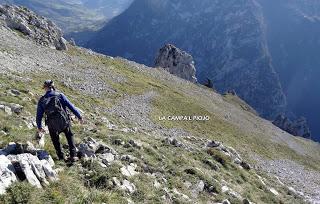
64 102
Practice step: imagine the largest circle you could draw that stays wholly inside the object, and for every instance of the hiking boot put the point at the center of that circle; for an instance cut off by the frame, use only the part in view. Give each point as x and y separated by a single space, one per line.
74 159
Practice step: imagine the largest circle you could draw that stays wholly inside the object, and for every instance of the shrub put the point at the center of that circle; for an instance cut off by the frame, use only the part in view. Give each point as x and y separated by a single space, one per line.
18 193
223 159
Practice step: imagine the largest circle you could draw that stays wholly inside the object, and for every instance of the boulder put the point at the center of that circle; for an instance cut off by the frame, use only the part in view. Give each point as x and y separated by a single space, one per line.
6 109
128 186
44 155
31 168
21 161
19 24
91 147
7 174
16 108
107 158
72 42
197 188
129 170
177 62
173 141
61 44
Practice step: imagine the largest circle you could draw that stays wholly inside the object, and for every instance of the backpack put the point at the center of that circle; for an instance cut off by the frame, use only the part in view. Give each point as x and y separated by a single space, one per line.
57 119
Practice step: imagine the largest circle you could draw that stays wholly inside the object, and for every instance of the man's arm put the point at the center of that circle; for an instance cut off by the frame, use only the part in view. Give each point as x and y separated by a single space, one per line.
71 106
40 112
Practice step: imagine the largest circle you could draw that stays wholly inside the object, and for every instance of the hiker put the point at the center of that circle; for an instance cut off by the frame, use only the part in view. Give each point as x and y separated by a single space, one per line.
54 105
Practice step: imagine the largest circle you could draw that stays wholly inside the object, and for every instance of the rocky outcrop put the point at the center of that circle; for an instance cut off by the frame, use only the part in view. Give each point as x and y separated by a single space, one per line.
35 27
177 62
10 108
102 153
298 127
23 162
8 173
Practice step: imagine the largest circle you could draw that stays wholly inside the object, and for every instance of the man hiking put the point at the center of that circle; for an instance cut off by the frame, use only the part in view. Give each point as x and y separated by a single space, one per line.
54 105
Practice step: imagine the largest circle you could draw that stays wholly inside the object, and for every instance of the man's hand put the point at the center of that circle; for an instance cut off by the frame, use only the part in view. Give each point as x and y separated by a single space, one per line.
41 130
81 121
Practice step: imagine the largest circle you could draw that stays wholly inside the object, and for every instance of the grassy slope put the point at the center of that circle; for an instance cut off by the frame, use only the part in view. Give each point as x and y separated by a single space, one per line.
171 100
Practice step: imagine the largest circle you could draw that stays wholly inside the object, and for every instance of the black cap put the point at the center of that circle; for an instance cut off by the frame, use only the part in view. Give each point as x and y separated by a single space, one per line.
48 84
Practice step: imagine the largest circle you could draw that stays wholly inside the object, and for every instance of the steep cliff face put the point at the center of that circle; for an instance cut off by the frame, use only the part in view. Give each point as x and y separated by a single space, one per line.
226 39
293 29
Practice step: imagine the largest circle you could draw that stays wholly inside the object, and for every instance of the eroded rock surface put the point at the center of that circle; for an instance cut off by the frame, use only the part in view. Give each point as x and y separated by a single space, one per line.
20 162
35 27
177 62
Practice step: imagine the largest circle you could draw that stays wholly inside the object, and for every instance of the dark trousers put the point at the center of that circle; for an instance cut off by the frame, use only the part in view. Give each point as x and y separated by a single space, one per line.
57 145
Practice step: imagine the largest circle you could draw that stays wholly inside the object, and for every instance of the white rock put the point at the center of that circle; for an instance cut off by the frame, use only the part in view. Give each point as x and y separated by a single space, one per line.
50 173
6 109
198 188
16 108
181 195
127 186
156 184
224 189
274 191
129 170
107 158
226 202
177 62
7 173
116 181
27 168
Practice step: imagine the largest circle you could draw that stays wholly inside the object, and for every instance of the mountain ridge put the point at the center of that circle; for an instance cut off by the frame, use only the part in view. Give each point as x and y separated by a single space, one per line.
233 52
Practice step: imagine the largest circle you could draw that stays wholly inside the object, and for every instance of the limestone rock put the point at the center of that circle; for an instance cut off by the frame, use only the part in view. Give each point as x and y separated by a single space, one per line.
107 158
37 28
7 174
128 186
129 170
177 62
198 188
274 191
23 161
90 147
6 109
173 141
16 108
